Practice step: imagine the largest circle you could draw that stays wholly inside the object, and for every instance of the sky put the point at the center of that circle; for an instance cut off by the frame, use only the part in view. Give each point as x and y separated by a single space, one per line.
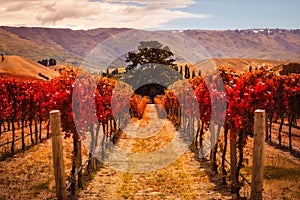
152 14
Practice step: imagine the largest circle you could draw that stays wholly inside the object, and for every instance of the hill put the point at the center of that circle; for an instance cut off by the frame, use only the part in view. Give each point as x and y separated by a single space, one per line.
241 64
269 44
19 67
71 46
12 44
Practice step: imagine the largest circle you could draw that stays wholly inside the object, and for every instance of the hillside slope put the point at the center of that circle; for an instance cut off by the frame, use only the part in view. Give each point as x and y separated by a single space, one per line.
12 44
242 64
270 44
66 44
16 66
79 42
238 64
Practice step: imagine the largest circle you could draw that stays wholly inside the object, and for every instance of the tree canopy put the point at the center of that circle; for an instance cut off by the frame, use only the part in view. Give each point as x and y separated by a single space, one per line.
150 52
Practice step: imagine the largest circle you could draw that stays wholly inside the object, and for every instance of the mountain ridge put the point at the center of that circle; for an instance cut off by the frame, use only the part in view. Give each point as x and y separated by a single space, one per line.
71 46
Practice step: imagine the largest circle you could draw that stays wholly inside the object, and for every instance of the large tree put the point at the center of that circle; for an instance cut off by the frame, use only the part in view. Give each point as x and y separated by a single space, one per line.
150 52
152 66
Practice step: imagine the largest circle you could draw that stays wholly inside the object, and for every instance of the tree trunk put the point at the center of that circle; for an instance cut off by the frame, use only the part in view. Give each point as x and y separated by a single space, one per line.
233 166
240 163
201 153
103 146
74 164
36 132
23 139
224 172
270 131
103 127
212 142
280 129
30 130
214 159
79 163
215 150
197 135
13 136
115 125
40 132
291 119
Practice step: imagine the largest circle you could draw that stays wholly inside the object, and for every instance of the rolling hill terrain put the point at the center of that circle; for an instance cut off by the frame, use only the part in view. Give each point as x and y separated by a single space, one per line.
270 44
241 64
71 46
11 44
19 67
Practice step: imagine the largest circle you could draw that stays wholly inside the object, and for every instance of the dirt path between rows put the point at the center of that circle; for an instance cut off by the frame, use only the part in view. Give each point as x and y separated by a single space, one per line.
186 178
30 175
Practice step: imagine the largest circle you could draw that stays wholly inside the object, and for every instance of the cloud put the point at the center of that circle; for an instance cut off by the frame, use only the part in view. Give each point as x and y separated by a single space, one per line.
162 3
60 10
85 14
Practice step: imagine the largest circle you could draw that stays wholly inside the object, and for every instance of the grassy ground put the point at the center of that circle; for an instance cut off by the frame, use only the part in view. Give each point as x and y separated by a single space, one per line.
6 137
186 178
29 175
281 173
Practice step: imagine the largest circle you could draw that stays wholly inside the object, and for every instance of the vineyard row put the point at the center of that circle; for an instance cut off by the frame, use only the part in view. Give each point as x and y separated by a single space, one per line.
74 94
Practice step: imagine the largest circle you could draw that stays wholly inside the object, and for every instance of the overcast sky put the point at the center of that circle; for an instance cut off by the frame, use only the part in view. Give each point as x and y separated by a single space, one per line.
152 14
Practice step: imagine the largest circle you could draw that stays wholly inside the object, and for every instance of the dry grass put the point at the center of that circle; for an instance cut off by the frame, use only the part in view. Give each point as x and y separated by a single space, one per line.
281 173
159 141
282 169
17 65
6 137
185 178
30 175
239 64
284 136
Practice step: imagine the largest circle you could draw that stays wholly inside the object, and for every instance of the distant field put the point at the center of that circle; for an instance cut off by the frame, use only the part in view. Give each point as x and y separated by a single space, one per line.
21 68
238 64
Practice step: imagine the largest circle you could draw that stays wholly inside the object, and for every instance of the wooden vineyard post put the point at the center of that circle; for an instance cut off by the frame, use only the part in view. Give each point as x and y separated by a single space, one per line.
57 150
258 154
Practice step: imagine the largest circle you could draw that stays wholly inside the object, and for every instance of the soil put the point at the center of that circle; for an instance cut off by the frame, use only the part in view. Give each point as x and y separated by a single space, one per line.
29 175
